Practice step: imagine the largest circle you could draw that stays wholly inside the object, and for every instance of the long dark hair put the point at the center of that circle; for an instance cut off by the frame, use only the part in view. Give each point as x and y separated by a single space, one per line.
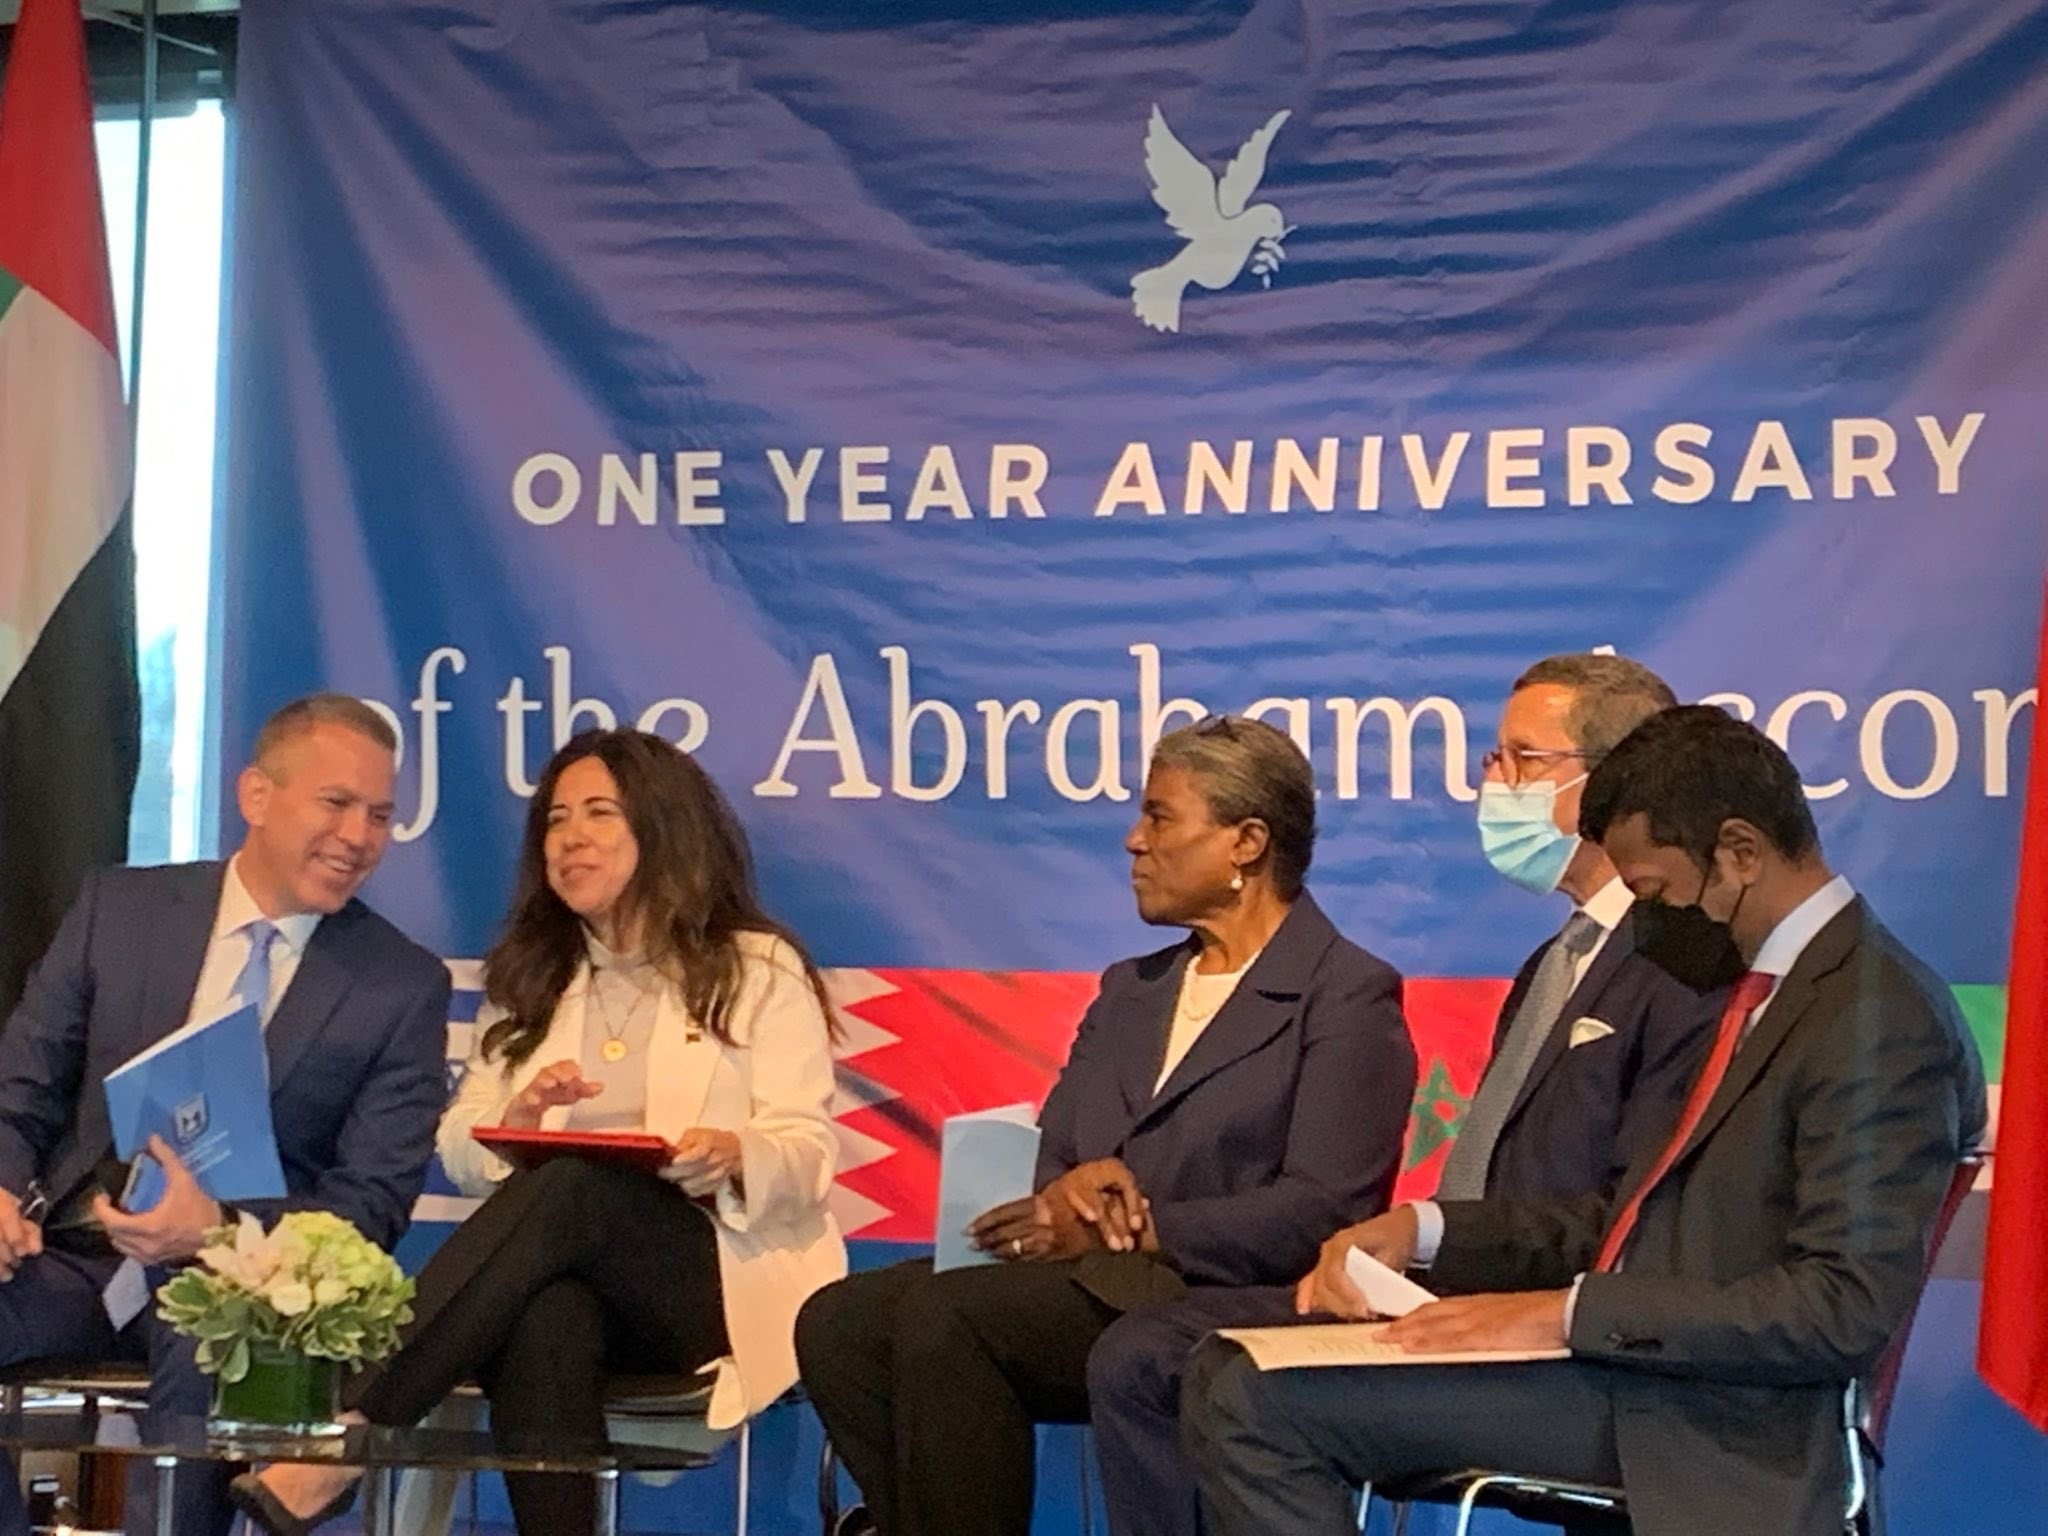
692 895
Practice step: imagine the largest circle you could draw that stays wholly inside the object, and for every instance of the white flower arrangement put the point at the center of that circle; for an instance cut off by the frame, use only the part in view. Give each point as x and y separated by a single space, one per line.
312 1284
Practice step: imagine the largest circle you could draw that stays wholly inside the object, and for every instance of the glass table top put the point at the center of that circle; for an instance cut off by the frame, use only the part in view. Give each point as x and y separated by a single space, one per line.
196 1439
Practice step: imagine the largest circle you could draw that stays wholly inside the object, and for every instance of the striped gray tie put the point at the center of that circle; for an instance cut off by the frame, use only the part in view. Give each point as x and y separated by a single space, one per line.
1550 989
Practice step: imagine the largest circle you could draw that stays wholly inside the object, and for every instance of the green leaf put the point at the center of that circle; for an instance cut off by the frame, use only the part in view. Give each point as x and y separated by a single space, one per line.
236 1364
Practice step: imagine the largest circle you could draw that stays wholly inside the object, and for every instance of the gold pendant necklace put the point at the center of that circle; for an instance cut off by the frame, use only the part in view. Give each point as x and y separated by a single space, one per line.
613 1051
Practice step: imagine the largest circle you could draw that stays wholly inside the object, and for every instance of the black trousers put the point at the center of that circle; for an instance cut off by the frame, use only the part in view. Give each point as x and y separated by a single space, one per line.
567 1274
1285 1450
929 1385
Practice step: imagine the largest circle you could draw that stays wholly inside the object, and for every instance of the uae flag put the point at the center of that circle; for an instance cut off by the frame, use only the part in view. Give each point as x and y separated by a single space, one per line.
2012 1342
69 728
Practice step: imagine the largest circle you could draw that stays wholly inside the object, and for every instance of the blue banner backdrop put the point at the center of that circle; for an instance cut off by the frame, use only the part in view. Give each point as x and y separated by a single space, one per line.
914 409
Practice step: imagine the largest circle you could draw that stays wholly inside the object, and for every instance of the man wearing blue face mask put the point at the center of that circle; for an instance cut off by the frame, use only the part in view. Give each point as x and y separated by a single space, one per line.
1595 1046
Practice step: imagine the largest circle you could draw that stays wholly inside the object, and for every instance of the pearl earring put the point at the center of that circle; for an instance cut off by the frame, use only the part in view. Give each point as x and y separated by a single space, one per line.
1237 879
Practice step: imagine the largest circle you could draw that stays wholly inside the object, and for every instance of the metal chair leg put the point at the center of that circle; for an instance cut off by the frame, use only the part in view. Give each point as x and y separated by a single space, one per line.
166 1487
746 1474
380 1501
608 1502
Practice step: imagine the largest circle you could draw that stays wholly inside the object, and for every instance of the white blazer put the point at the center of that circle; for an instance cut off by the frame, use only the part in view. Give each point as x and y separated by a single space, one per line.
773 1087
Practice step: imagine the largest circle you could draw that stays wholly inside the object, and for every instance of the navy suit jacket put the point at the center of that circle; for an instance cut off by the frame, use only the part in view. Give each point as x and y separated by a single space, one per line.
1587 1111
357 1046
1284 1122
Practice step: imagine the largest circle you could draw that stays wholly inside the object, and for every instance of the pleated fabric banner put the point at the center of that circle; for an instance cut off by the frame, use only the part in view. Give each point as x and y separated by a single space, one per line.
915 410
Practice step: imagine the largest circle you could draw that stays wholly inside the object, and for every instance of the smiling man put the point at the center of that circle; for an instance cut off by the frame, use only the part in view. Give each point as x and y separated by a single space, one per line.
355 1024
1717 1302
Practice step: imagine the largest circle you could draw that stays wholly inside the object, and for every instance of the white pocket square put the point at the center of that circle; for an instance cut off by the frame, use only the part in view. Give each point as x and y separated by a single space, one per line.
1589 1029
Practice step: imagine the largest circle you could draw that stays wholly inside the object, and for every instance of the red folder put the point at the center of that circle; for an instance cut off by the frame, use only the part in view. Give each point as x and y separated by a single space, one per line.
529 1149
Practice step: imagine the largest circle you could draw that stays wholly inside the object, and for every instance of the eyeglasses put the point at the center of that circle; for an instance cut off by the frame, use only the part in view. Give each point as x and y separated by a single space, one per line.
1514 764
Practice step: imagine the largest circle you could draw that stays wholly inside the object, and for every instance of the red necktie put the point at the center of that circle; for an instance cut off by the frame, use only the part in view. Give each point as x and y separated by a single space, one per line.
1748 995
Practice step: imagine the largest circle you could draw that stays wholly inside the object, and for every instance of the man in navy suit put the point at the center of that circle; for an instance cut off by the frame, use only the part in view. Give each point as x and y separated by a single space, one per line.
1595 1047
1224 1097
355 1025
1593 1053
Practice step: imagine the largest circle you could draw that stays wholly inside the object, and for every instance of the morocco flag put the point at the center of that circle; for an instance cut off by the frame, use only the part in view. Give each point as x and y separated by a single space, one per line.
2012 1344
69 731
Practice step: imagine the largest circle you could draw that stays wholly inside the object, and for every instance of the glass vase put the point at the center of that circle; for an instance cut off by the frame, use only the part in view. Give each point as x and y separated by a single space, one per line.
283 1392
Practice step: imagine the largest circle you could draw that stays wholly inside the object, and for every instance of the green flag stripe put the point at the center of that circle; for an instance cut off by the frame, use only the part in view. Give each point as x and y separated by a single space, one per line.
1984 1008
10 285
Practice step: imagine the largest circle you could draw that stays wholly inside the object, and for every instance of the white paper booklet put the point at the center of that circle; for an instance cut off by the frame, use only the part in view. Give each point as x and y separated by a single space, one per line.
1306 1345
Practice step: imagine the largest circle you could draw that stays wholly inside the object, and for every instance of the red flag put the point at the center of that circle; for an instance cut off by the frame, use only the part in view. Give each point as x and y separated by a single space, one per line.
69 729
2012 1341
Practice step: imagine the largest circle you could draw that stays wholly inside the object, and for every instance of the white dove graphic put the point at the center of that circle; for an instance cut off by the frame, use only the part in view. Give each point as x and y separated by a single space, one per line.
1221 233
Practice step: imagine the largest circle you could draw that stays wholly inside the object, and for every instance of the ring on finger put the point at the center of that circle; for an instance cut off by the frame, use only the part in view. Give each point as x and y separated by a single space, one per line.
1016 1247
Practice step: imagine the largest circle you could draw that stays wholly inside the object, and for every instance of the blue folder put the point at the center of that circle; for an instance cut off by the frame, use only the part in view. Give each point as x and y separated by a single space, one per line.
206 1091
985 1160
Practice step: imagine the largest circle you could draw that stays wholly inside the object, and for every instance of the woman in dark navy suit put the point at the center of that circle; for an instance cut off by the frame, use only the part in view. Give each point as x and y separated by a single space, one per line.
1227 1099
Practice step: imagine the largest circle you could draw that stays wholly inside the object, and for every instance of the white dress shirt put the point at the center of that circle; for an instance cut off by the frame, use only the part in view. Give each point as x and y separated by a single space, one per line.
1788 941
1607 907
228 950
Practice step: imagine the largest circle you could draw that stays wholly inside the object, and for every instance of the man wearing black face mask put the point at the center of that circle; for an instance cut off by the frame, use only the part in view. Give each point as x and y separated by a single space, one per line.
1717 1304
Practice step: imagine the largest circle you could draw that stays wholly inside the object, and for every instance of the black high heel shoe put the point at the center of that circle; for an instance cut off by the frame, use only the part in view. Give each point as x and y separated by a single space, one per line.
249 1494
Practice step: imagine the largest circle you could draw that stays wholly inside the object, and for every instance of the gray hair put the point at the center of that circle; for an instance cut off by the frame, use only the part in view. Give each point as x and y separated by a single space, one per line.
1245 770
301 715
1611 696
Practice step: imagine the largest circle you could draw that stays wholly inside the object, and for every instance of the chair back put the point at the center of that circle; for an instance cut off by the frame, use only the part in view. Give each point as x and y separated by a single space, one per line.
1884 1380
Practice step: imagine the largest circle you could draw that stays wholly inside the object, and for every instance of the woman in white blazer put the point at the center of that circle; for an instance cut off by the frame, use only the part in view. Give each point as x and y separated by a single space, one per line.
638 987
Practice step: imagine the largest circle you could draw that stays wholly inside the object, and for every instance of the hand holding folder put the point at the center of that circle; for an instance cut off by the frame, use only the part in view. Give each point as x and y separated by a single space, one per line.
205 1090
985 1160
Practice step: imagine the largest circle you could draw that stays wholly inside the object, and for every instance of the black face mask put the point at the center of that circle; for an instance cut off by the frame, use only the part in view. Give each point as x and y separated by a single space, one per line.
1688 945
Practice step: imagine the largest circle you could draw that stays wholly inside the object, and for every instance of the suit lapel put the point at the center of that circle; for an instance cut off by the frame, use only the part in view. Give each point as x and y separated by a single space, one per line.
1620 944
1265 1002
680 1062
1796 996
1144 1049
318 986
1253 1015
178 953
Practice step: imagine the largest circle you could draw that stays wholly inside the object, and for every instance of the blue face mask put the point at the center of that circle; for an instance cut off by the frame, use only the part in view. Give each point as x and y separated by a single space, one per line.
1519 832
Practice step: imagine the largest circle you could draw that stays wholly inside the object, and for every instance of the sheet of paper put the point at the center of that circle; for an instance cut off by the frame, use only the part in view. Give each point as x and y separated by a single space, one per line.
1306 1345
1387 1291
985 1159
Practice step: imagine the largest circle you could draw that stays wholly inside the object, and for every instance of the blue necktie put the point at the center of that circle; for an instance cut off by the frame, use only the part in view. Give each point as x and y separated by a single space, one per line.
253 985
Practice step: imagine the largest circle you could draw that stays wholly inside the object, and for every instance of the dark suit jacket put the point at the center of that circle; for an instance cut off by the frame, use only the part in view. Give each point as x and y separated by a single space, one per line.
357 1046
1586 1112
1779 1257
1283 1123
